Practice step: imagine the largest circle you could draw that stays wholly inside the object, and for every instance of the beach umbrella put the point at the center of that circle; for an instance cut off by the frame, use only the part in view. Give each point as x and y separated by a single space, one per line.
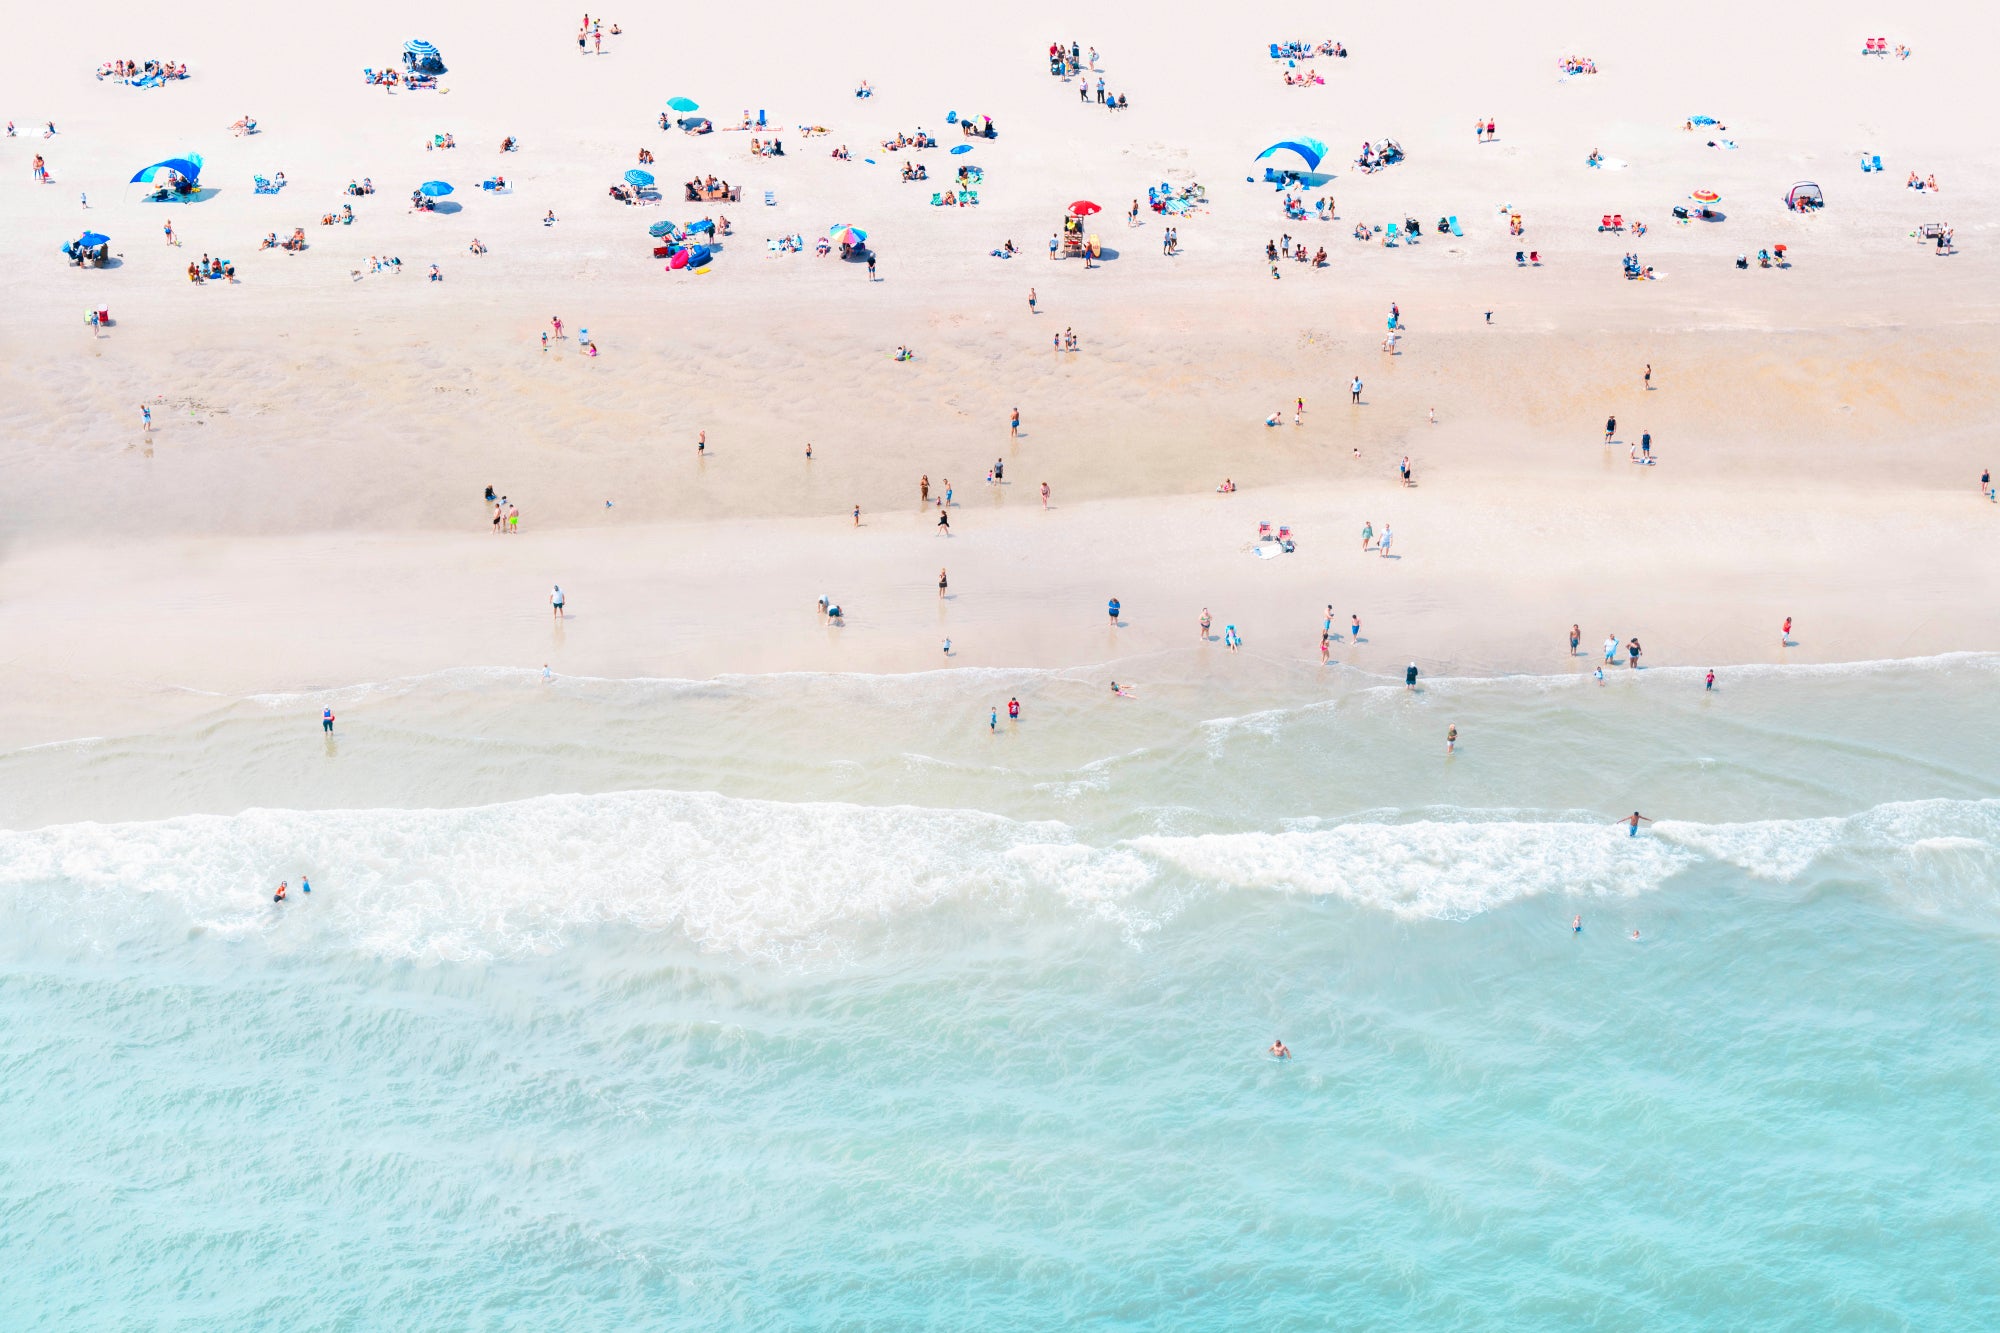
1301 155
848 236
188 168
1083 208
420 48
660 228
1706 197
90 240
434 189
1701 120
683 104
638 177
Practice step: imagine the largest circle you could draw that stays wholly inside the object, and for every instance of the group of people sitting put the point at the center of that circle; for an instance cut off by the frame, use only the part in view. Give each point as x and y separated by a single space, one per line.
645 157
243 125
421 202
1577 65
389 78
91 256
440 141
211 268
345 217
794 244
915 171
367 186
1304 80
918 140
1633 268
296 241
1307 50
134 70
1373 158
774 148
699 190
1927 183
630 194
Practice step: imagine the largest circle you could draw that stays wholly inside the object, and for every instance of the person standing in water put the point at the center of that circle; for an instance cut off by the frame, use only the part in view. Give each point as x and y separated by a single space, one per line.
279 896
1575 638
305 885
1410 676
326 720
1576 924
556 603
1632 823
1451 739
1280 1051
1205 623
1709 684
993 721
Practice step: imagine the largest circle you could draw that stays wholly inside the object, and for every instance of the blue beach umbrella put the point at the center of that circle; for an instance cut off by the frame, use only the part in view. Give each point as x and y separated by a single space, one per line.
434 189
420 48
961 150
90 240
660 228
188 168
683 104
1300 155
638 177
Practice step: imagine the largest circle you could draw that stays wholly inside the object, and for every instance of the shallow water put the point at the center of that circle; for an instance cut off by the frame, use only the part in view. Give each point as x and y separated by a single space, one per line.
806 1001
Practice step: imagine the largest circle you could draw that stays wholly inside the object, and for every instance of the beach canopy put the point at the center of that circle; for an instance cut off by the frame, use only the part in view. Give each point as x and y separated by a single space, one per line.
1706 197
638 177
90 240
187 168
1083 208
660 228
1302 155
1805 192
848 236
434 189
703 224
683 104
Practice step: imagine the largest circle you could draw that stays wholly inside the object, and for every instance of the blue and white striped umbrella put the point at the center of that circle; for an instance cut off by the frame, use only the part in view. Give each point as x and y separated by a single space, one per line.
1302 155
421 49
638 177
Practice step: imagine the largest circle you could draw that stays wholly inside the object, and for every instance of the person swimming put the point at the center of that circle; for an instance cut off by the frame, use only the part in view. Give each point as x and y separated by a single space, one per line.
1280 1051
1576 924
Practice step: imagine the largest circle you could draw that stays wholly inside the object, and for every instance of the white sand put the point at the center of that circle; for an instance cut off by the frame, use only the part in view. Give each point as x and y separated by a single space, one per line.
307 510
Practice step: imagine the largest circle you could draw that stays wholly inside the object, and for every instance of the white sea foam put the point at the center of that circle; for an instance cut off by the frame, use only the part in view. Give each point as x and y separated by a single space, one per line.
763 877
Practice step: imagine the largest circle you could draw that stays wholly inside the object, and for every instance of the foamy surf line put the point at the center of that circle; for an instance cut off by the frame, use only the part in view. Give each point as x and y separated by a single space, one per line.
764 878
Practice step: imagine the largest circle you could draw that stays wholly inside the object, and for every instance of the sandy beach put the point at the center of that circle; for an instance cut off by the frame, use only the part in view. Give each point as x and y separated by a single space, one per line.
307 506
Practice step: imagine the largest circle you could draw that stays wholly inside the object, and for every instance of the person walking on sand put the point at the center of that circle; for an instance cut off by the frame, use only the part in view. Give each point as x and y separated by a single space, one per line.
857 516
1014 424
1631 824
1388 536
556 603
1354 629
943 583
701 444
1785 634
1610 428
1354 390
924 489
944 521
145 417
1647 378
169 229
871 266
1031 300
1205 623
1367 535
556 322
1325 647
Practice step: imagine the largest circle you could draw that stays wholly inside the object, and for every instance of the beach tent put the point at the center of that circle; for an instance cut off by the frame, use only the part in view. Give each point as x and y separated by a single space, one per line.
1804 195
1296 155
187 168
422 57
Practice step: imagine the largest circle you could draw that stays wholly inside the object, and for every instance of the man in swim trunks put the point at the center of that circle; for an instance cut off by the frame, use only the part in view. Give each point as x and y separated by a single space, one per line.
1280 1051
1632 824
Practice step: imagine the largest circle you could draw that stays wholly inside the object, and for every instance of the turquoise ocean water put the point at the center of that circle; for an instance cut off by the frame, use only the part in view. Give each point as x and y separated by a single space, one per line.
805 1002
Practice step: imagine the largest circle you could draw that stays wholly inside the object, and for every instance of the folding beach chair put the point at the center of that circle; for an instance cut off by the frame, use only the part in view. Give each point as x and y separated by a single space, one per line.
770 198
